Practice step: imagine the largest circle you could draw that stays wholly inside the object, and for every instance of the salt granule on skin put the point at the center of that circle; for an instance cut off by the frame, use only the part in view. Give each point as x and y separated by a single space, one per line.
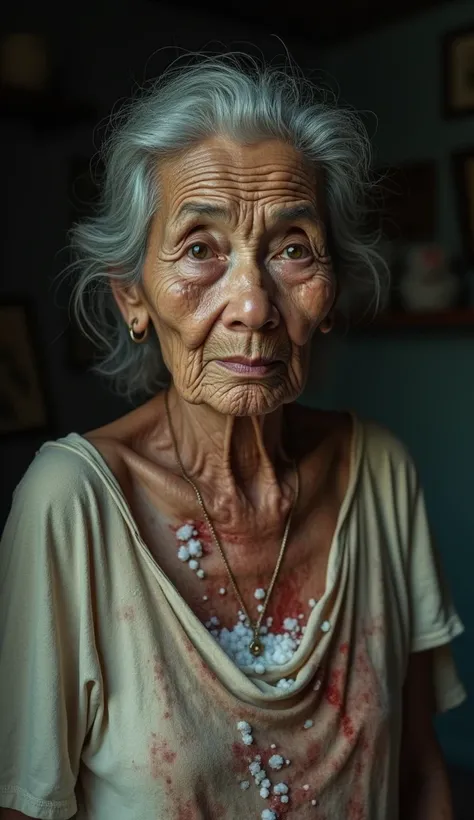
245 784
264 792
222 591
247 739
307 724
200 573
312 603
269 814
183 553
243 726
185 532
266 783
193 564
276 762
194 547
280 788
284 798
254 767
259 594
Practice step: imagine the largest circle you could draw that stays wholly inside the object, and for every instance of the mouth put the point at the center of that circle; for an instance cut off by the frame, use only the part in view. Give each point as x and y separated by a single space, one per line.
249 367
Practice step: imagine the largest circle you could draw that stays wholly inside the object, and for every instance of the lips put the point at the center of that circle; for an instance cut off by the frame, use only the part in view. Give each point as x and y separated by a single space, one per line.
249 367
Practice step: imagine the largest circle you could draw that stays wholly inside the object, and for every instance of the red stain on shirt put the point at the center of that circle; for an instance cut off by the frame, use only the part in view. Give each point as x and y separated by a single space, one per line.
160 755
126 613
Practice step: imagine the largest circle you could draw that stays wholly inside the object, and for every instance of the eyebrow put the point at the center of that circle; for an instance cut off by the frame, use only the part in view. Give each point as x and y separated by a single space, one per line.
285 214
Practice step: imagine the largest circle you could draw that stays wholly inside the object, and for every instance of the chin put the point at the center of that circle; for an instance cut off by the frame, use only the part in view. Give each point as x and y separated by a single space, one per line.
250 399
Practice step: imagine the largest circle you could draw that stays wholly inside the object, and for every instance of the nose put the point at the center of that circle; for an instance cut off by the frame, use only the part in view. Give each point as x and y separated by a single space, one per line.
249 306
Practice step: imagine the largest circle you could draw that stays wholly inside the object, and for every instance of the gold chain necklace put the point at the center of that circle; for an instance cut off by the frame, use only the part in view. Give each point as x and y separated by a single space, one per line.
255 645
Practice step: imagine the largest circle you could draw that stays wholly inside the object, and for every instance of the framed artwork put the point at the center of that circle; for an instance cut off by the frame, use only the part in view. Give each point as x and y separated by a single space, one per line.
23 406
458 68
84 178
408 202
463 163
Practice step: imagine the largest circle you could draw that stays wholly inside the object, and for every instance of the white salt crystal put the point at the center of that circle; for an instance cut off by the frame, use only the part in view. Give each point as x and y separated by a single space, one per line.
247 739
307 724
284 798
183 553
195 548
259 594
222 591
264 792
269 814
193 564
243 726
245 784
200 573
260 668
325 626
276 762
254 767
312 603
280 788
185 532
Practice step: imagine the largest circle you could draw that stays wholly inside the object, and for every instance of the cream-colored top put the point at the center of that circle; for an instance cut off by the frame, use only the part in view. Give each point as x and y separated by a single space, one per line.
117 703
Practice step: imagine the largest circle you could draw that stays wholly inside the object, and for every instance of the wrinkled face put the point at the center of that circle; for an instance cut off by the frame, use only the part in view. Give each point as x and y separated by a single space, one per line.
237 274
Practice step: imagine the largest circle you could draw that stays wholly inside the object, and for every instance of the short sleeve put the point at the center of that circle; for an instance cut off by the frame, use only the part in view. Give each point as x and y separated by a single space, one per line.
434 620
49 674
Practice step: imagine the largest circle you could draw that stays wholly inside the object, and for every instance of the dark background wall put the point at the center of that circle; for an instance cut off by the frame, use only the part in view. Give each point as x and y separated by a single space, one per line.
420 384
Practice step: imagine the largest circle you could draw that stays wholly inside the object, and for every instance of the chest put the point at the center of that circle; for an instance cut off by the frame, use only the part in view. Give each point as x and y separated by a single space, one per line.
206 572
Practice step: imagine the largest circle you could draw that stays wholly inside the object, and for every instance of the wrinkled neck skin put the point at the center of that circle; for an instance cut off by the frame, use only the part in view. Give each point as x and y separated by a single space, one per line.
238 463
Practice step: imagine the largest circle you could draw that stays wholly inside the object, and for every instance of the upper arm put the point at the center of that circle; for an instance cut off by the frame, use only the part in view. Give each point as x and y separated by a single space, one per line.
420 749
48 673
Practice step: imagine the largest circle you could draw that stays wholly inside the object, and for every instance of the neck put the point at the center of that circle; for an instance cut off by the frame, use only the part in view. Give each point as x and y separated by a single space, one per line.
241 456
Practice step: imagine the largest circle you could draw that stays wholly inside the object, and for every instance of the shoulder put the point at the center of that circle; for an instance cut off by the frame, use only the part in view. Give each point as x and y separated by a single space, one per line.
61 479
385 455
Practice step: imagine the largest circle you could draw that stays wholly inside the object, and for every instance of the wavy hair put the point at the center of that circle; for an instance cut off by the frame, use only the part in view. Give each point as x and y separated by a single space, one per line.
246 99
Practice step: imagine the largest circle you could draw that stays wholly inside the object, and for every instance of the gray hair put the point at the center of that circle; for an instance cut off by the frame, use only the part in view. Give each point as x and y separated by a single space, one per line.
231 95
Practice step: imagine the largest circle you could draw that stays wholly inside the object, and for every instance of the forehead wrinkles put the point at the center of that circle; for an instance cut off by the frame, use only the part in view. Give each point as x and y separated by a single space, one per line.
266 182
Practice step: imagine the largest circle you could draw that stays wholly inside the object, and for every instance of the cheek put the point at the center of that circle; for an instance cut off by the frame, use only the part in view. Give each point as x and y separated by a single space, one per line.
185 308
307 305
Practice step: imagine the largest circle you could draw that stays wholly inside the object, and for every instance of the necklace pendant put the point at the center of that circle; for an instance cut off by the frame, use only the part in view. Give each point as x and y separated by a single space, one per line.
255 647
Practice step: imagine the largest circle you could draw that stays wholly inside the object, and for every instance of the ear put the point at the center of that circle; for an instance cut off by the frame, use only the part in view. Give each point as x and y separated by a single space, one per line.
131 304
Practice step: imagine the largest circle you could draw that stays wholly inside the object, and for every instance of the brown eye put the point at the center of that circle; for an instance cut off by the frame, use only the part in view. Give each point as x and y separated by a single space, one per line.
199 251
295 251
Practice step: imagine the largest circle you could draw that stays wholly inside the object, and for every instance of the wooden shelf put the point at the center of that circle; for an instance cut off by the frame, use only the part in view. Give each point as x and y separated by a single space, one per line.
455 318
46 111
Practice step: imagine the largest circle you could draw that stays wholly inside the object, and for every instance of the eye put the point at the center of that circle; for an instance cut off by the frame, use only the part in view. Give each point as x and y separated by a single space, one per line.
199 251
296 251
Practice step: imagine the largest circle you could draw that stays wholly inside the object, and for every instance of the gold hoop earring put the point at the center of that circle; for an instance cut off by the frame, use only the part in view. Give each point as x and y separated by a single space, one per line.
327 324
138 338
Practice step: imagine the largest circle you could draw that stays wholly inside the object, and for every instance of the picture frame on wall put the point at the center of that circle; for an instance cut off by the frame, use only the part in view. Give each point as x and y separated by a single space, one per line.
84 179
463 166
458 73
23 404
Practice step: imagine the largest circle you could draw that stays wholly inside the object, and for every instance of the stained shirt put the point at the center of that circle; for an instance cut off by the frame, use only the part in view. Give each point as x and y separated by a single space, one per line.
118 703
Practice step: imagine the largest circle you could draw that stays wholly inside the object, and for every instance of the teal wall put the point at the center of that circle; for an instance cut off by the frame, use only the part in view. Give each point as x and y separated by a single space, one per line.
420 384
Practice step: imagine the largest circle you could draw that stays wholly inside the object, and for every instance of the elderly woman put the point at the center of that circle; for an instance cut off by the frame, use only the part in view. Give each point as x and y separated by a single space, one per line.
224 604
